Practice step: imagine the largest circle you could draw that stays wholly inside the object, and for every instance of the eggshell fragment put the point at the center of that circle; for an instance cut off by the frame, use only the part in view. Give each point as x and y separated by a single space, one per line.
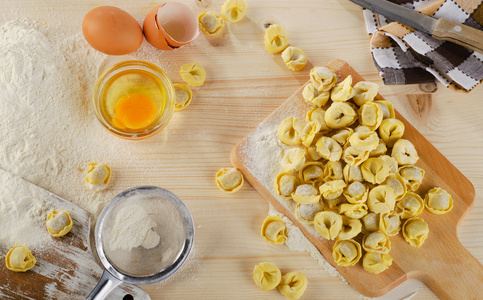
112 31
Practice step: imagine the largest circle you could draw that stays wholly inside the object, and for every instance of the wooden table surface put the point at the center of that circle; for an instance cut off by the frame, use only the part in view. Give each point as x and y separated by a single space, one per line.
244 85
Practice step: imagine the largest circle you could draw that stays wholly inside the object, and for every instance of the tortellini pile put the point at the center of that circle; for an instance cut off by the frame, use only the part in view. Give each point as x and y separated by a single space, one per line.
292 285
59 223
350 172
276 41
20 259
229 180
98 176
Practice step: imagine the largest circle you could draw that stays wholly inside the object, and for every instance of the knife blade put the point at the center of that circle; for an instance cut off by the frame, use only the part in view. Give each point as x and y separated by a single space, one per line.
441 29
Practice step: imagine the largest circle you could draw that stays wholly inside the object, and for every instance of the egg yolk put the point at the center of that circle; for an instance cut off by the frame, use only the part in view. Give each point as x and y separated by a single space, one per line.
134 111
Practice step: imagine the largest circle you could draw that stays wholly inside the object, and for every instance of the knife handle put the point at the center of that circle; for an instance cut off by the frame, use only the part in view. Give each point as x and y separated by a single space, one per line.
460 34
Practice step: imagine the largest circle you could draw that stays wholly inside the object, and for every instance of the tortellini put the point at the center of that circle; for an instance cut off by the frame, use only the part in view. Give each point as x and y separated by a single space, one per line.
290 130
352 173
370 223
285 185
387 108
332 189
346 253
398 185
293 285
328 224
183 96
317 114
59 223
411 205
308 133
267 276
98 176
323 78
376 262
356 192
293 159
274 230
276 40
328 148
342 135
381 199
343 91
294 58
311 171
438 201
229 180
340 114
365 91
415 231
390 223
391 130
313 97
377 242
20 259
211 23
355 157
193 74
374 170
391 162
380 150
306 193
404 152
234 10
333 171
350 228
412 175
370 115
353 210
364 141
305 213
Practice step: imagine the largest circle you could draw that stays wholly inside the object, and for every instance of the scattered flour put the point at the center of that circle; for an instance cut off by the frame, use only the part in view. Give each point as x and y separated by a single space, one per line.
133 227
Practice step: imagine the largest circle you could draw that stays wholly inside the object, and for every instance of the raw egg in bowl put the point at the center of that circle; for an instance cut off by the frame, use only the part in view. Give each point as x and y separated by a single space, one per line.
134 99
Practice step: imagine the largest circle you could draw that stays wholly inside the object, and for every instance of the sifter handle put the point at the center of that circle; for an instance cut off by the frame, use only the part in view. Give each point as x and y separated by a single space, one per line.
105 285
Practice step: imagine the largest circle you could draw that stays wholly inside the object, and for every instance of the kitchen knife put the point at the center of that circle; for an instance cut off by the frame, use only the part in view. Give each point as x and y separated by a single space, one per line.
441 29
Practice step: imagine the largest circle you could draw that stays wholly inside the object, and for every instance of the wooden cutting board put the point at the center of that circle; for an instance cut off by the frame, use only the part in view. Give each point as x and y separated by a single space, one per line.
442 262
66 267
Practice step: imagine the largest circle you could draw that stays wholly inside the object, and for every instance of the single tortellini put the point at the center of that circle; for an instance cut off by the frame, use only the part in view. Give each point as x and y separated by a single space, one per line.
391 162
352 173
356 192
294 58
346 252
376 262
309 132
311 171
412 175
276 40
353 210
390 223
415 231
229 180
274 230
328 224
20 259
398 185
193 74
404 152
377 242
333 171
211 23
98 176
391 130
381 199
285 185
317 114
370 115
293 159
323 78
350 228
365 91
438 201
329 149
374 170
183 96
364 141
59 223
342 91
306 193
293 285
234 10
290 130
313 154
305 213
411 205
267 276
381 149
332 189
342 135
370 223
313 97
387 108
340 114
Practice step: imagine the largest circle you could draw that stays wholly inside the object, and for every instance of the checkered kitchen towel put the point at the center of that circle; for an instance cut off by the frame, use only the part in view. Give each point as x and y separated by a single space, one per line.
405 56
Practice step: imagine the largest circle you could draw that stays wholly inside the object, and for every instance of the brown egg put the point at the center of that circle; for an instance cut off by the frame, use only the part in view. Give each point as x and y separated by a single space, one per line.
112 31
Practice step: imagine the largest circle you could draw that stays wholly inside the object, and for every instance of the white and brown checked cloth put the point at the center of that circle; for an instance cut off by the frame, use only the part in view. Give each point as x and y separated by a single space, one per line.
405 56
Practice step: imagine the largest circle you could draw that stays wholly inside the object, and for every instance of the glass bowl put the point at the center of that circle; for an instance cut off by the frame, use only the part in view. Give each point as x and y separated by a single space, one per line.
147 97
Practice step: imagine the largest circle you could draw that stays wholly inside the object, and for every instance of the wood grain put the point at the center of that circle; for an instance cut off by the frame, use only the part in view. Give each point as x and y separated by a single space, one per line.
442 263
